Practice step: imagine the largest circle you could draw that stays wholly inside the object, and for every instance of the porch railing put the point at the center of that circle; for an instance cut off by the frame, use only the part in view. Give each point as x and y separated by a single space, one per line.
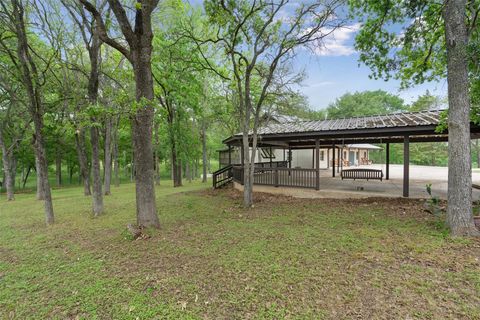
279 177
273 164
222 177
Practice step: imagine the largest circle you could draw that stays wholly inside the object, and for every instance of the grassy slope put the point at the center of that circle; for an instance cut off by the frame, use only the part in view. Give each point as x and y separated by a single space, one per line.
212 259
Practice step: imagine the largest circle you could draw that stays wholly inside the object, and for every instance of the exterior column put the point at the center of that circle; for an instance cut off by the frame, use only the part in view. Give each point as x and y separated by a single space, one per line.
340 159
271 155
328 158
406 165
333 160
317 164
313 157
229 154
387 150
289 158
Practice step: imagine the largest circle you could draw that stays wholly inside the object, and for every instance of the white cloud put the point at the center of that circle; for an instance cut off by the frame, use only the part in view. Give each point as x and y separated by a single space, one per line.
337 42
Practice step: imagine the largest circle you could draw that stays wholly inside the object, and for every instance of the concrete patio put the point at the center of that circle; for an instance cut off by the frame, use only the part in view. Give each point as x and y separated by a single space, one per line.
331 187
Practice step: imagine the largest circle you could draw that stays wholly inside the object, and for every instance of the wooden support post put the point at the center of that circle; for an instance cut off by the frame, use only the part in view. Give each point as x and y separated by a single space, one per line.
313 157
229 154
328 158
271 155
340 156
290 158
333 160
406 165
387 150
317 164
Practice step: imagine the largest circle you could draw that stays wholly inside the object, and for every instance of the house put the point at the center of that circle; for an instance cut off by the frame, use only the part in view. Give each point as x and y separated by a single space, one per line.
349 154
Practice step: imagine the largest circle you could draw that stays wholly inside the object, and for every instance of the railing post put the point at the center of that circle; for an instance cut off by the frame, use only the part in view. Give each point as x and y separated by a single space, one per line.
387 161
333 160
406 165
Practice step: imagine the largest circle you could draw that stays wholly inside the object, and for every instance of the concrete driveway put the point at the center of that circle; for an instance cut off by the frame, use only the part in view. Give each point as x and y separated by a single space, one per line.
420 176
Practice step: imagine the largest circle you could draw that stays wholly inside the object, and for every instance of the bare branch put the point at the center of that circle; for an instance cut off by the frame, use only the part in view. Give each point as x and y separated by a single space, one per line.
102 31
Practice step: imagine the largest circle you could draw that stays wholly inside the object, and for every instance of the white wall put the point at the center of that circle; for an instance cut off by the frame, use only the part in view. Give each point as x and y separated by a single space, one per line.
305 158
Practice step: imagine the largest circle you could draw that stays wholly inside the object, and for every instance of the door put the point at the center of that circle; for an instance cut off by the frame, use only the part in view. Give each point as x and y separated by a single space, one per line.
351 157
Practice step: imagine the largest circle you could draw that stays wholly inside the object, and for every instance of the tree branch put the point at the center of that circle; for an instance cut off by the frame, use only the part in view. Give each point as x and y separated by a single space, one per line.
102 31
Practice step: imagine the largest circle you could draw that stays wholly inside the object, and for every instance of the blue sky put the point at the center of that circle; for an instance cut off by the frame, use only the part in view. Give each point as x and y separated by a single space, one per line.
335 70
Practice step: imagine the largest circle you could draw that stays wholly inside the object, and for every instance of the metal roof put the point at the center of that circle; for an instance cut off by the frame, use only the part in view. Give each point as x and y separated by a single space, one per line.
391 127
404 119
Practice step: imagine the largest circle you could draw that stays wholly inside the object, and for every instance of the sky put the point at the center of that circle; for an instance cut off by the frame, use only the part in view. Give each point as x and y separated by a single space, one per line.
335 70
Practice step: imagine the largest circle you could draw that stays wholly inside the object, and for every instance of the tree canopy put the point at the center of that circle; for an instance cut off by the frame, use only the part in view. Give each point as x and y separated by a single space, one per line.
364 104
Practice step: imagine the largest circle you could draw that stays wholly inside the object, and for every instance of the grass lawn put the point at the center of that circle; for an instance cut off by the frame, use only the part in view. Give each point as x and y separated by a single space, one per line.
285 258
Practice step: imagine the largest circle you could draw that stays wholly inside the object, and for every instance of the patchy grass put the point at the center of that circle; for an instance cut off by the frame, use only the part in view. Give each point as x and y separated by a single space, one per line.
285 258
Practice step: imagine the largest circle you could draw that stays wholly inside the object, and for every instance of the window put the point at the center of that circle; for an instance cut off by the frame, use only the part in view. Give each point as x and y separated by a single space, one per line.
322 155
267 153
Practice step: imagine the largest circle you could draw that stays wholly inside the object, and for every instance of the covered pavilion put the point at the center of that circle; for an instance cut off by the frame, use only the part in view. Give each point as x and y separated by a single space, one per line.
331 134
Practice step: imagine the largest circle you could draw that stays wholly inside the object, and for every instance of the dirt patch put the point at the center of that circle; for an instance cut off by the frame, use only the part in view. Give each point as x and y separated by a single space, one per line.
400 207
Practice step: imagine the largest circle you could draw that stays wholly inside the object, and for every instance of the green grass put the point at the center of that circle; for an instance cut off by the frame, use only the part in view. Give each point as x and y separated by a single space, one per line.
285 258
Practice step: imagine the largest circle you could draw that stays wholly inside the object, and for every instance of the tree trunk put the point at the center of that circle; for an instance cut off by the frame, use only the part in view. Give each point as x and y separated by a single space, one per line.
195 169
83 160
116 168
70 174
459 211
35 105
247 173
180 172
58 169
139 53
7 167
93 80
24 182
108 155
142 136
204 153
40 192
97 180
176 166
156 154
188 171
42 173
